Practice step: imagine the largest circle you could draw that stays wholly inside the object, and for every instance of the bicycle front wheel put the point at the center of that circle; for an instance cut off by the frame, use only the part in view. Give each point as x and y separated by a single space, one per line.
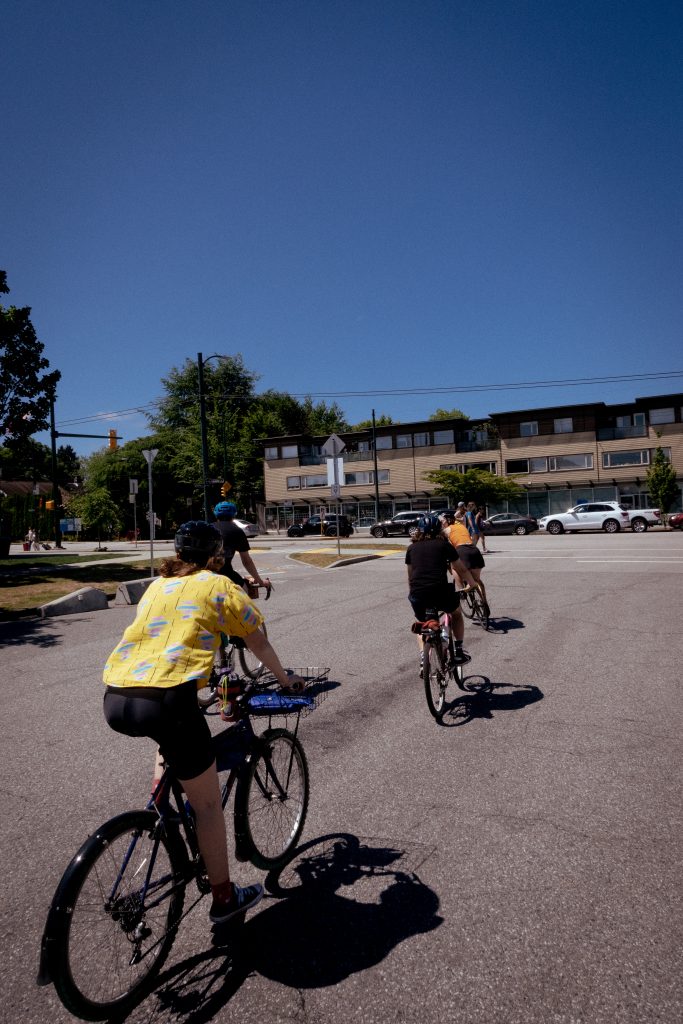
272 800
435 678
251 666
115 914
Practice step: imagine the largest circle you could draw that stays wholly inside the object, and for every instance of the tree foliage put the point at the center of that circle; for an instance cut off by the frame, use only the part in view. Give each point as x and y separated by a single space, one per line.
661 482
31 460
24 389
475 485
449 414
380 421
97 510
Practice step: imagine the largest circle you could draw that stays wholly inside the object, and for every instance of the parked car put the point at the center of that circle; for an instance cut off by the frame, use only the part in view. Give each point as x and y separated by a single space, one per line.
326 525
508 522
676 521
643 518
249 528
609 516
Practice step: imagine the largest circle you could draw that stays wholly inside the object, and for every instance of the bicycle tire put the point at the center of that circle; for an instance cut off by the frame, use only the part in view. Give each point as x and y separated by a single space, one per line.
467 603
435 677
93 945
271 800
251 666
481 609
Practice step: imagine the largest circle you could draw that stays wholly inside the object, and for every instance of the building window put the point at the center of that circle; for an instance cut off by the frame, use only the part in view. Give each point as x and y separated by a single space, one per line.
290 451
420 440
538 465
364 446
366 477
293 483
564 426
404 441
528 429
614 460
271 454
662 416
319 480
517 466
560 463
383 442
444 436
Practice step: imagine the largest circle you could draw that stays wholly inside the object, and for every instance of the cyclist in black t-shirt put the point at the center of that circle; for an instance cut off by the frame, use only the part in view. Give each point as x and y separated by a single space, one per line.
235 542
429 559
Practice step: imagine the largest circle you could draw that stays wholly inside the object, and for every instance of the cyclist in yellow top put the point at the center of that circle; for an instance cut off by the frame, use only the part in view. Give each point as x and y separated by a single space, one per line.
470 557
153 675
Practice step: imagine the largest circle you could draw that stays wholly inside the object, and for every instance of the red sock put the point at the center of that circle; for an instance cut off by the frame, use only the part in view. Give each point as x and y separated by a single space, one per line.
223 893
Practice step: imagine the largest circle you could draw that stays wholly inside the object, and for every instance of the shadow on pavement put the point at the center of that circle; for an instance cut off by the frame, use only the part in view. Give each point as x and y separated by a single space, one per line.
485 697
33 632
503 624
340 906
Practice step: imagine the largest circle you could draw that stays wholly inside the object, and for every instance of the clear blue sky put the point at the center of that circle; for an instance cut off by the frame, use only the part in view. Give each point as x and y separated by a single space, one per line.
355 195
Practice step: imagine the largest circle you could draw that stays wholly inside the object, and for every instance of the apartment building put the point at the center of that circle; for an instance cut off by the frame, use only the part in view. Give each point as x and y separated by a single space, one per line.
559 455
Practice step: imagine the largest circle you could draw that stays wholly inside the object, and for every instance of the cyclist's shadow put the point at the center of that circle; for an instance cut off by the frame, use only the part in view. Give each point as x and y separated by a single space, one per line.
482 698
339 934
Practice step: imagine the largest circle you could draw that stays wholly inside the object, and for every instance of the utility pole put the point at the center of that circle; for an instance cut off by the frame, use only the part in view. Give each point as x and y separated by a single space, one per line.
374 456
56 498
202 429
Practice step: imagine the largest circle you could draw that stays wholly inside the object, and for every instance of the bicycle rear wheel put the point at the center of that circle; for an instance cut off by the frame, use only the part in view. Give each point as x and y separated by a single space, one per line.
467 602
435 677
272 800
481 608
251 666
114 916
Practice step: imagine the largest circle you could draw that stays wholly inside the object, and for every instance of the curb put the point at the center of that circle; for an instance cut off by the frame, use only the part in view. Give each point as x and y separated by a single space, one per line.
130 593
87 599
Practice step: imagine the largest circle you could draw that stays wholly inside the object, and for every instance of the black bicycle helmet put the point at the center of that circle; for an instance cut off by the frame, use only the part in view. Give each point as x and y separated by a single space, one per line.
429 525
197 541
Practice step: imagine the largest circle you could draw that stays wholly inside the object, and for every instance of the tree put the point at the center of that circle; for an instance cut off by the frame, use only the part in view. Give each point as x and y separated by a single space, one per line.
475 485
380 421
661 483
97 511
24 392
31 460
449 414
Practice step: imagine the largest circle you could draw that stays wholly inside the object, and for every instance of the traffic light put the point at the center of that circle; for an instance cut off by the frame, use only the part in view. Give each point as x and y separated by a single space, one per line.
113 441
226 488
50 506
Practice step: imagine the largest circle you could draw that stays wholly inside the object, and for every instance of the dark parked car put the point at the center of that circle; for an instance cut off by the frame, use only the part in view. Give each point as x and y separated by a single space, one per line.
508 522
403 524
326 525
676 521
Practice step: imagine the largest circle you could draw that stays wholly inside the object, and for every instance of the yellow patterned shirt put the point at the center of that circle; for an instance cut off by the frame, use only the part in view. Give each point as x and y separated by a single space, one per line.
176 629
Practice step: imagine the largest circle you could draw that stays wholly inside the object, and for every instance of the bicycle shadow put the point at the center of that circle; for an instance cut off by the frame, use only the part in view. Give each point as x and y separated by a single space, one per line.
484 698
503 624
342 934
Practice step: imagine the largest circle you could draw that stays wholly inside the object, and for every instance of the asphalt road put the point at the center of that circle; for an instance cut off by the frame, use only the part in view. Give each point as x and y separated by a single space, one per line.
519 864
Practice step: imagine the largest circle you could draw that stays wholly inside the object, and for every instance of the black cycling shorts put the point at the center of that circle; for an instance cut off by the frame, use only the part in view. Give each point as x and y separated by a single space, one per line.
171 717
442 599
470 556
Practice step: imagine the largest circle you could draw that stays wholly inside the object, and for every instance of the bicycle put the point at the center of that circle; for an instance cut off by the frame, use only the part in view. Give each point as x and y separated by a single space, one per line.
439 666
117 909
252 667
474 606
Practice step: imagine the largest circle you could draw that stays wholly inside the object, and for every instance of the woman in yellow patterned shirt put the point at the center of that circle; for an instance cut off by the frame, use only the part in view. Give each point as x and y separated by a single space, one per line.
154 672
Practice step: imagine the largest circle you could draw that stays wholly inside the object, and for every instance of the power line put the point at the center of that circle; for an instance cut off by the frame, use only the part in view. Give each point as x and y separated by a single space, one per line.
383 392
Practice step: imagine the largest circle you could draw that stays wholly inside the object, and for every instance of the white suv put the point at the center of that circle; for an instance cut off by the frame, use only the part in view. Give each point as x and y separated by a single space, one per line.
609 516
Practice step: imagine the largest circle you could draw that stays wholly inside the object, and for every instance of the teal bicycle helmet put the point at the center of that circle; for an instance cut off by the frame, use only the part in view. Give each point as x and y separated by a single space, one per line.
225 510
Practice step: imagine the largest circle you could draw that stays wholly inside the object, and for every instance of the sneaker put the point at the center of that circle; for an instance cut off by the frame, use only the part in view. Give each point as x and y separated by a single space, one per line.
461 657
244 897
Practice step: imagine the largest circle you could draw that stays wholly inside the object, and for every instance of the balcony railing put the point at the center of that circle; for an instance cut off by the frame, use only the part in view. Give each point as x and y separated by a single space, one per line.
491 444
620 433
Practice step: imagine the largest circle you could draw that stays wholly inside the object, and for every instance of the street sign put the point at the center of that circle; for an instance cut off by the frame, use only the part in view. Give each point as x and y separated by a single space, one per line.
133 486
335 491
333 446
